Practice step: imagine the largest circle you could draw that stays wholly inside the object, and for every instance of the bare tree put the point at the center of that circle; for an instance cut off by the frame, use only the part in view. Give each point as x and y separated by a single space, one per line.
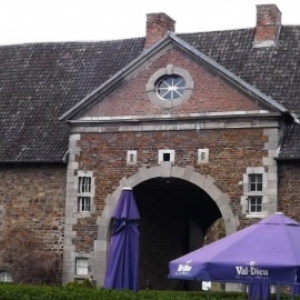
26 257
216 231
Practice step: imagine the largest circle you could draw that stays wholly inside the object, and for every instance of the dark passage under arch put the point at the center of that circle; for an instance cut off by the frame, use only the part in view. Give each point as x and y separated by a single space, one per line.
175 216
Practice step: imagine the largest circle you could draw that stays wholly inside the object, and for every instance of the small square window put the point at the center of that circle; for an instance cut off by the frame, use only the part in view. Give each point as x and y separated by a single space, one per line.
255 204
131 157
82 266
255 182
203 156
5 276
84 204
166 155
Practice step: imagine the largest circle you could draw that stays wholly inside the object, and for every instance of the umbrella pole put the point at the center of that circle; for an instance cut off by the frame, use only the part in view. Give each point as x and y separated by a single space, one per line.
292 292
277 291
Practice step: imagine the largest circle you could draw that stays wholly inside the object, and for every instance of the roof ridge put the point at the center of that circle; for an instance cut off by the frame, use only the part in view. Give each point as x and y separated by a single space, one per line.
65 43
215 31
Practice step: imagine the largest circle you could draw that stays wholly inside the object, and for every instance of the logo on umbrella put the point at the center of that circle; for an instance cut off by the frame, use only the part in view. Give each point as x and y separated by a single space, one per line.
252 271
184 268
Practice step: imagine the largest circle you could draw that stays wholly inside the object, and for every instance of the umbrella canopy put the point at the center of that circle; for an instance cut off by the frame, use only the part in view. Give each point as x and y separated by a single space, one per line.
267 251
122 264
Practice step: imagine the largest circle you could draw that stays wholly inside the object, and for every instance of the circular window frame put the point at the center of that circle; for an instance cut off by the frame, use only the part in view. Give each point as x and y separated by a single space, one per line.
167 86
151 86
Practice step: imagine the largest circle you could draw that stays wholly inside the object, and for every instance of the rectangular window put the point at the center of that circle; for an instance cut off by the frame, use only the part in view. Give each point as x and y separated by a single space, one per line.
255 182
84 193
255 204
203 156
84 185
131 157
84 204
255 199
5 276
82 266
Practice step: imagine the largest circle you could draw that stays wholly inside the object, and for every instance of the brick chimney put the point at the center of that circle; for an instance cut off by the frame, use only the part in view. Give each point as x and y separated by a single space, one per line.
158 24
268 23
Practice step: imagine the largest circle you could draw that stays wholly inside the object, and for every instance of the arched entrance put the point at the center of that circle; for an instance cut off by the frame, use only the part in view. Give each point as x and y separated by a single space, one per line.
175 216
177 206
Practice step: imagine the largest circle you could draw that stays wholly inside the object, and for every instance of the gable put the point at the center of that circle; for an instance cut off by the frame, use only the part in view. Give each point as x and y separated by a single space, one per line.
209 92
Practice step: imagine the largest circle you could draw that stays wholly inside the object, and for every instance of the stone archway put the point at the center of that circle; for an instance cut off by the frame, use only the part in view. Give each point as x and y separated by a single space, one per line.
206 183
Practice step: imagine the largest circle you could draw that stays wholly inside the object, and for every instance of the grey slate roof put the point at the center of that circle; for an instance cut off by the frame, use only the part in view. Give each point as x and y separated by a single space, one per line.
39 82
291 143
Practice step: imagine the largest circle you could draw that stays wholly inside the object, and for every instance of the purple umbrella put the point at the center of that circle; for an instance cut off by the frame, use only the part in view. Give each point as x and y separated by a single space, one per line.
268 251
122 264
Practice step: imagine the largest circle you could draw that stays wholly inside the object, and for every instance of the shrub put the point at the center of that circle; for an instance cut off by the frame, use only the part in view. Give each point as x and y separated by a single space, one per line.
25 257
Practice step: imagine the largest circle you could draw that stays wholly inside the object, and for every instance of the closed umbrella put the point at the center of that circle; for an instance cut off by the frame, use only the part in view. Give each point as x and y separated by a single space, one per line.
123 257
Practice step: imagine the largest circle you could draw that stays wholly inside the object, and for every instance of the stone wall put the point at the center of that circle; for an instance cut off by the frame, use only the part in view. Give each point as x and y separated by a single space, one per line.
33 197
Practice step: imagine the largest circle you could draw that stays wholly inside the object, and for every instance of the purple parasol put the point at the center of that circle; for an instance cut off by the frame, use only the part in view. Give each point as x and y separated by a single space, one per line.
268 251
122 264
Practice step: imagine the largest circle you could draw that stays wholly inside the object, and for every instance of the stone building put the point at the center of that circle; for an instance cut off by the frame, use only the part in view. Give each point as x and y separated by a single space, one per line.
202 126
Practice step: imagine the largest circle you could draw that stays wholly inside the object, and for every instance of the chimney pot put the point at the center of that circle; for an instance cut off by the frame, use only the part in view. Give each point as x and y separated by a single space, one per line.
268 23
157 26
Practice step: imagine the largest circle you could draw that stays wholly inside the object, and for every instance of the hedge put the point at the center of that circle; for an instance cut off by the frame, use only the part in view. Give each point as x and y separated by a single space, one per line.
82 292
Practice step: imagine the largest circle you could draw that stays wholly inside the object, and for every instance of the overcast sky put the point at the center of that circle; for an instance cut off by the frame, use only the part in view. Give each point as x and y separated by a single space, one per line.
27 21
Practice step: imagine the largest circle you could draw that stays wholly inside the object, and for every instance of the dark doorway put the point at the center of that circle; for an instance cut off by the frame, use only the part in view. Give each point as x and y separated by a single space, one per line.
175 216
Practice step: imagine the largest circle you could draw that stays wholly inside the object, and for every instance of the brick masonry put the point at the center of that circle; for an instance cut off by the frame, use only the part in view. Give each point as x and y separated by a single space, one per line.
105 154
210 94
289 188
32 197
268 22
158 24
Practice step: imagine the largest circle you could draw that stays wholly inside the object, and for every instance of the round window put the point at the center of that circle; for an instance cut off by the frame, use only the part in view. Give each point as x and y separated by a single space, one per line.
170 87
